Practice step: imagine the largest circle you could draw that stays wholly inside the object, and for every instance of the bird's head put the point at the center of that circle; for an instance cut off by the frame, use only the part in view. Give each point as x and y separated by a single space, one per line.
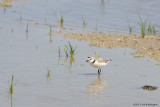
90 59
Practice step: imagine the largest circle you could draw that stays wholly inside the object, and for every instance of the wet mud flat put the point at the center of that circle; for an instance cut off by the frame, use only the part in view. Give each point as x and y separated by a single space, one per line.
148 46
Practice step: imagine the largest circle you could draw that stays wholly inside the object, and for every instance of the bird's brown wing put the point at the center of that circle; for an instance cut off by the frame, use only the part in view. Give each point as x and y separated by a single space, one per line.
101 60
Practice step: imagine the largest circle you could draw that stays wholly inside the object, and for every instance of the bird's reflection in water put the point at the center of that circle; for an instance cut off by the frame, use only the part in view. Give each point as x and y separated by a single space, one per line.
96 89
70 62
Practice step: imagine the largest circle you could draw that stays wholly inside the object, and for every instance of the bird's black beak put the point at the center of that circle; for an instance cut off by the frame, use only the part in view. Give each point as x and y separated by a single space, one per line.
87 61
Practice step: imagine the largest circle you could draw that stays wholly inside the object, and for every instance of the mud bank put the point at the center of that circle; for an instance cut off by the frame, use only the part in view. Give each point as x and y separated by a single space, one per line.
148 46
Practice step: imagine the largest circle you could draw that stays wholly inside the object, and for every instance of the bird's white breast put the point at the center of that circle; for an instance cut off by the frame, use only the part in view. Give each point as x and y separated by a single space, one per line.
97 64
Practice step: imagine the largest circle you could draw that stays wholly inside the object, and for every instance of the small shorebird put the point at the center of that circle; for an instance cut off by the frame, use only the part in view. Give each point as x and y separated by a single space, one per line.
97 62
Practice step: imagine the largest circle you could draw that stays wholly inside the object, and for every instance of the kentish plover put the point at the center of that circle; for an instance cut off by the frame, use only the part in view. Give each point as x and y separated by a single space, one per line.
97 62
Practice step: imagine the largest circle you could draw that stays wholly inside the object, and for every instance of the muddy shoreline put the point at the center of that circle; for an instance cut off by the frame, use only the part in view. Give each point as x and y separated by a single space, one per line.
148 46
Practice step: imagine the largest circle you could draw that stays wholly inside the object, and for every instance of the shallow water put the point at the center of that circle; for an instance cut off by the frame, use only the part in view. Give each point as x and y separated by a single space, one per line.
75 84
71 83
109 16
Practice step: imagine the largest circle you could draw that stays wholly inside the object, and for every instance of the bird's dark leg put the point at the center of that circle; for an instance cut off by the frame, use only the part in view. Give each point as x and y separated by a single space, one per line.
99 70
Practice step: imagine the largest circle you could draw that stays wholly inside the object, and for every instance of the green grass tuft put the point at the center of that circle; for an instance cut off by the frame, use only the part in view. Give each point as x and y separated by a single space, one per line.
130 29
84 22
59 52
62 21
142 26
50 30
151 30
71 50
27 29
65 50
48 72
154 30
11 85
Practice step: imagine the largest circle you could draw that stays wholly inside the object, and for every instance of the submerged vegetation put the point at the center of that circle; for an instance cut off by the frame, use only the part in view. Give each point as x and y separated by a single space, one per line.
138 56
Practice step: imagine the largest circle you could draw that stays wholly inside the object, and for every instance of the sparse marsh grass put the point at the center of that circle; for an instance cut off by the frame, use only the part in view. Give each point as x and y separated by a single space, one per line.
71 50
61 17
11 85
27 29
151 29
130 29
59 52
154 30
65 50
48 72
62 21
50 30
84 22
50 33
142 26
